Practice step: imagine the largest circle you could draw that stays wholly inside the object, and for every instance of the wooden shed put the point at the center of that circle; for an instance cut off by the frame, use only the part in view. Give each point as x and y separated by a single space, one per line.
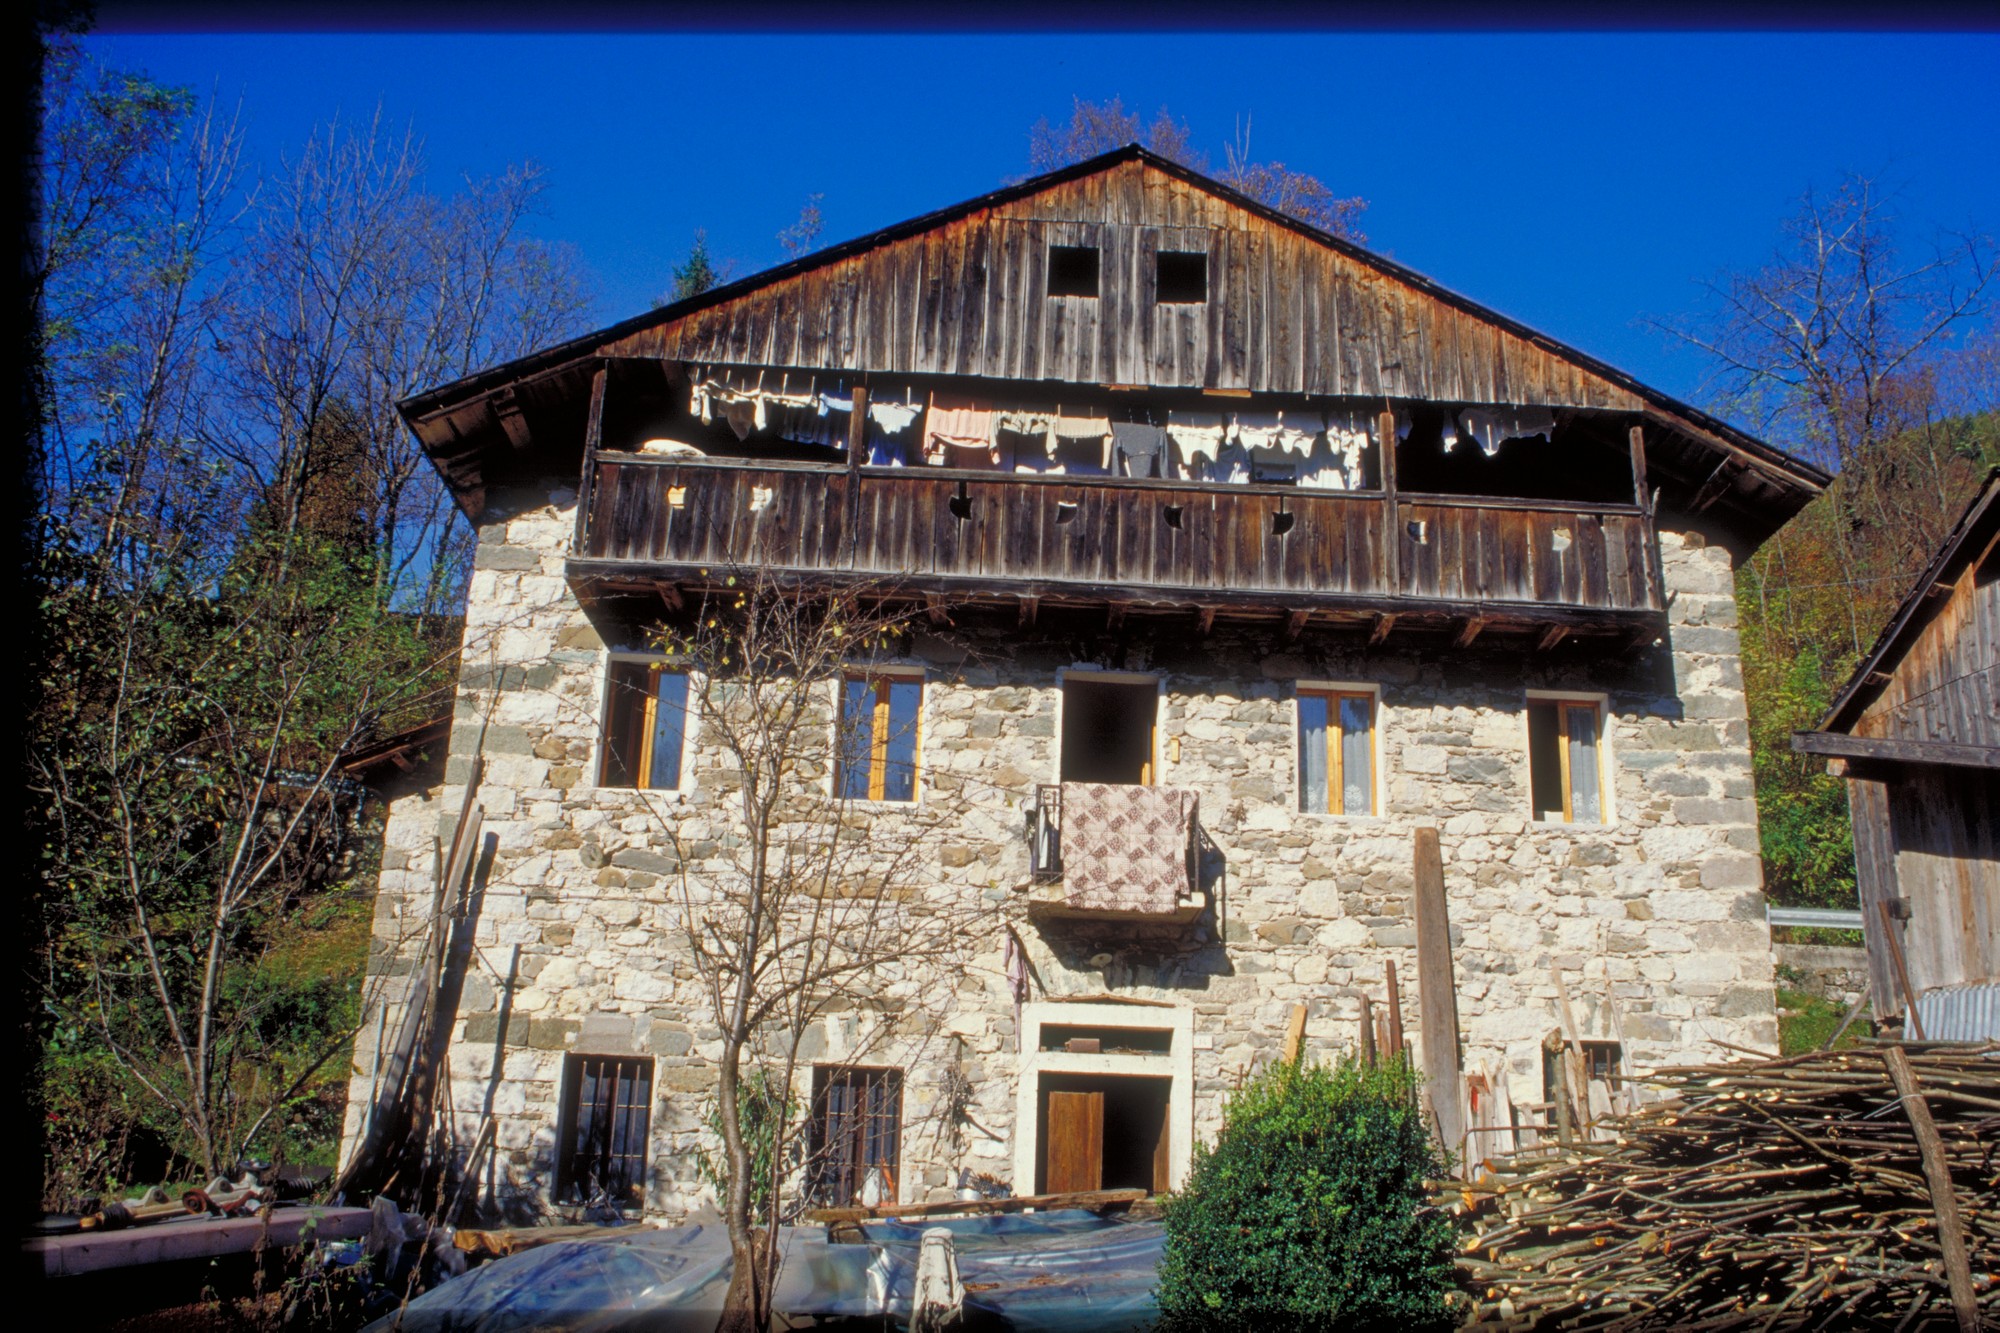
1917 733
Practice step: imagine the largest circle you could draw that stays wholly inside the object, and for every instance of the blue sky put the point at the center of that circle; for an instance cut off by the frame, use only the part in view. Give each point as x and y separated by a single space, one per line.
1577 182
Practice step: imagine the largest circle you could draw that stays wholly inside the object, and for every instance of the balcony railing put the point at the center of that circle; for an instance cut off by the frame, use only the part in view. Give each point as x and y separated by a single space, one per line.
1093 539
1106 852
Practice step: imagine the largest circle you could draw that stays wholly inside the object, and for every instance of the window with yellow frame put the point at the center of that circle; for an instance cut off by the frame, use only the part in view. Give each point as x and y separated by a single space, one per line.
645 725
876 756
1336 751
1565 760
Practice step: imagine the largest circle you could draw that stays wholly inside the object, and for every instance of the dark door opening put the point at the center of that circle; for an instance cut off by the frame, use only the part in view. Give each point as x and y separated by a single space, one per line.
1103 1132
1107 731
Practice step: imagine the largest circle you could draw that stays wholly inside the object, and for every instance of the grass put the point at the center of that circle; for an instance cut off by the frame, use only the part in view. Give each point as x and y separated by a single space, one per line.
1805 1022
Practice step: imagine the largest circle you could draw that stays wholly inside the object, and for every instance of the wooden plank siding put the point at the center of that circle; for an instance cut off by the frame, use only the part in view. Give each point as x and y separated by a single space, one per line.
1285 313
1019 532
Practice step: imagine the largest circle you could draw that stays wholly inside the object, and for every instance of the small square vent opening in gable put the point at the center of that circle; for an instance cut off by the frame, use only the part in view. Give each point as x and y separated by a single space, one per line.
1182 277
1073 270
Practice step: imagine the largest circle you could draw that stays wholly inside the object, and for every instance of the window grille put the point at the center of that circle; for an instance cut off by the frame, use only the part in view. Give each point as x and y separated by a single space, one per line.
607 1118
856 1130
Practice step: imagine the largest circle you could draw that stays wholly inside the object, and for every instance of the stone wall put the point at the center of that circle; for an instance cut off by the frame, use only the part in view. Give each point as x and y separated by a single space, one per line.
1658 908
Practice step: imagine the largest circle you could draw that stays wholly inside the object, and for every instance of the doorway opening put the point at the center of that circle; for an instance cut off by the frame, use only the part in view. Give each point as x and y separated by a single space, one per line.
1103 1132
1107 730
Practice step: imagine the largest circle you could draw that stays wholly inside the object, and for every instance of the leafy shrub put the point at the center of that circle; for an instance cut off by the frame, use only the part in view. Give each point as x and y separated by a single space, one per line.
1309 1210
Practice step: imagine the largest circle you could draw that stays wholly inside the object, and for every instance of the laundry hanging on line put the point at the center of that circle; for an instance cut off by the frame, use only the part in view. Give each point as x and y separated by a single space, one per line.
1140 450
956 425
1492 425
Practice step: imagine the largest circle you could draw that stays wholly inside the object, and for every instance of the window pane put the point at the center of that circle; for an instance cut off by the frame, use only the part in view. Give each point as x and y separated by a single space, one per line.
1544 762
1357 760
856 735
669 728
899 783
624 723
1312 753
1583 800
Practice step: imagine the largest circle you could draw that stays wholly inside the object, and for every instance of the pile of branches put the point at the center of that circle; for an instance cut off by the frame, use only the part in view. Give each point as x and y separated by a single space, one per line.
1784 1194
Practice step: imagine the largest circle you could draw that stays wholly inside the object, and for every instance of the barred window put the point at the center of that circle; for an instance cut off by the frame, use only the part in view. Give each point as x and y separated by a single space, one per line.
606 1120
857 1123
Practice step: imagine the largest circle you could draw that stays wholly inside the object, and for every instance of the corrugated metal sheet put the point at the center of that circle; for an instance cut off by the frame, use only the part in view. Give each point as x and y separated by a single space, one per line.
1961 1013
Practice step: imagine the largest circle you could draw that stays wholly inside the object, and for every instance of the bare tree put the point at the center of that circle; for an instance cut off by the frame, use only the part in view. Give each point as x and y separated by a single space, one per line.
817 902
1099 127
802 236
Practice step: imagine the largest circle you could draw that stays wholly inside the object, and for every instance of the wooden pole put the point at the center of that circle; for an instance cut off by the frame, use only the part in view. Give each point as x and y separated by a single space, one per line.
1944 1199
1367 1032
1295 1034
1437 995
593 440
1393 1038
1895 942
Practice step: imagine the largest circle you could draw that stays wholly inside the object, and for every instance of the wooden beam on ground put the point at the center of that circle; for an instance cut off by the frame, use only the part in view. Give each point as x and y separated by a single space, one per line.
1944 1199
1295 1034
1380 631
1092 1200
1437 991
1295 624
1468 631
498 1244
1551 636
1837 745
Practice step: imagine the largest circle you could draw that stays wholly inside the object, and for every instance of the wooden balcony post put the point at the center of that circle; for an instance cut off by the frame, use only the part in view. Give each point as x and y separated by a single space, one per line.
1642 496
593 437
857 449
1392 534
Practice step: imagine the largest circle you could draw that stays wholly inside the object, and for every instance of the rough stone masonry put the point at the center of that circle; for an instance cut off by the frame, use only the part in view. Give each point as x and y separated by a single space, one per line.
1658 907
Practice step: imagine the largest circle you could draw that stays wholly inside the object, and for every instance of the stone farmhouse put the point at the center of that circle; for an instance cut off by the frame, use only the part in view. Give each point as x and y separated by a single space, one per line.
1234 534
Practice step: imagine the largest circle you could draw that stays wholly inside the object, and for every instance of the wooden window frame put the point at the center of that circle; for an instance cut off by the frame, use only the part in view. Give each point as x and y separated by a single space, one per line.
880 730
649 722
1336 777
1562 703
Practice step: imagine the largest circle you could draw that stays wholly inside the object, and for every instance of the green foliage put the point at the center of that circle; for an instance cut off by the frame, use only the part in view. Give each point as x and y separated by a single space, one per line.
764 1110
1310 1209
697 273
1806 1022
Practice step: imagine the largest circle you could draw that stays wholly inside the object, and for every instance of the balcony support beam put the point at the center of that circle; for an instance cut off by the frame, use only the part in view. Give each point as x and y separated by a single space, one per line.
1384 622
1295 624
1204 620
1468 631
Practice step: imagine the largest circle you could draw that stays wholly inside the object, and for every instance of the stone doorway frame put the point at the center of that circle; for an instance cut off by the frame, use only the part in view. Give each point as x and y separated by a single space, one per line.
1175 1063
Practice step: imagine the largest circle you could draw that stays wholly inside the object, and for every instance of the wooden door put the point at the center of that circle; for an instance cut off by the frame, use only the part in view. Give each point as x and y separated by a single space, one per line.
1163 1154
1075 1142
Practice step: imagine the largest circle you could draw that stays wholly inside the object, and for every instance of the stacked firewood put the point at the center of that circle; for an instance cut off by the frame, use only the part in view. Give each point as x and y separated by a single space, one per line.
1781 1194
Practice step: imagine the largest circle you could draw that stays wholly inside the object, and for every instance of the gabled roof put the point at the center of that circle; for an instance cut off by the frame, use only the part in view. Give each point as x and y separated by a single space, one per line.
1763 485
1971 537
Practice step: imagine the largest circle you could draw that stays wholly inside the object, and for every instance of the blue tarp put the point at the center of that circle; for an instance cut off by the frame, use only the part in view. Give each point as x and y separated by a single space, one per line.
1038 1273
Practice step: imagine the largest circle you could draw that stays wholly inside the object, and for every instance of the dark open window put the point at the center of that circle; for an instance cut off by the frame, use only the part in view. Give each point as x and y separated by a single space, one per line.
1073 270
606 1119
857 1128
645 722
1603 1060
1107 730
1182 277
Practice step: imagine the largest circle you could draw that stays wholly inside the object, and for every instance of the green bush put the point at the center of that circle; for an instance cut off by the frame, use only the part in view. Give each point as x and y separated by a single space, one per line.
1309 1211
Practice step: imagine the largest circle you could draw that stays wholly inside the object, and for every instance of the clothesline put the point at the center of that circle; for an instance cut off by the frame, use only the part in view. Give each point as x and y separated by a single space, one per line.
1311 447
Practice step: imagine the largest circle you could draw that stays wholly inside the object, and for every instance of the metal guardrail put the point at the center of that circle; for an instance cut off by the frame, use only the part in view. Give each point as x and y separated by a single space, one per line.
1823 918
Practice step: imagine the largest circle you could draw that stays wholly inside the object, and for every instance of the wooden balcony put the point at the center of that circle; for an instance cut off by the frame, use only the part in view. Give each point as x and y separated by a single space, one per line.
1455 565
